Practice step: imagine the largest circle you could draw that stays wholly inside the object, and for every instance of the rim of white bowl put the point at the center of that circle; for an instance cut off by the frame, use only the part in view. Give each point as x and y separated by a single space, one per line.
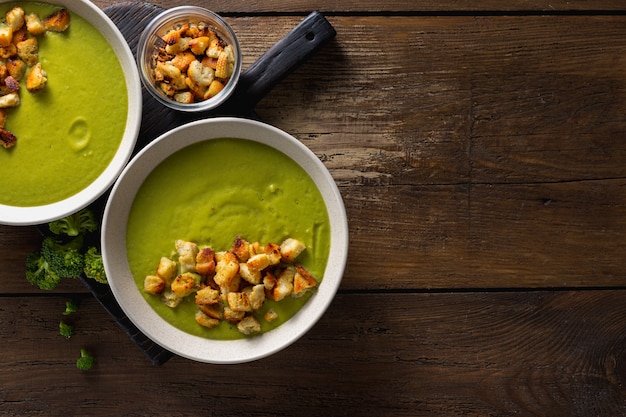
34 215
137 308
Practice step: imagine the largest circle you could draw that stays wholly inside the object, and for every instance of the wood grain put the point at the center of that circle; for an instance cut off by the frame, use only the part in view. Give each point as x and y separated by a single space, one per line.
394 6
489 354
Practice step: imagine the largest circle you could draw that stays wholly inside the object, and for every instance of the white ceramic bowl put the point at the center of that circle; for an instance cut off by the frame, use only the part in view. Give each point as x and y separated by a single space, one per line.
31 215
125 288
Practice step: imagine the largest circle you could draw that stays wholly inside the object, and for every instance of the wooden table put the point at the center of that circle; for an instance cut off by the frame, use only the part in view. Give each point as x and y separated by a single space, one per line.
479 148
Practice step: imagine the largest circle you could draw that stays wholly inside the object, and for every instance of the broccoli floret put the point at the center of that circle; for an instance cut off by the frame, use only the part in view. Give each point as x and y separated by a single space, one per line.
70 307
94 267
66 330
86 361
39 273
75 224
64 259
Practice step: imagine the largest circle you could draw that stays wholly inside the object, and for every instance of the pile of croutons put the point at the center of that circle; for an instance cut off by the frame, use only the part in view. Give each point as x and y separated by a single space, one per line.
231 285
193 63
19 58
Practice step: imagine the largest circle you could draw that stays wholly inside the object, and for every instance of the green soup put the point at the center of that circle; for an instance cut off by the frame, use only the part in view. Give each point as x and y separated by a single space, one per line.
68 132
212 192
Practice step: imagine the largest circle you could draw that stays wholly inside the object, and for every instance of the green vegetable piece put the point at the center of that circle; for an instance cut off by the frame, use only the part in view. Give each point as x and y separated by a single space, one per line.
66 330
70 307
75 224
86 361
39 273
94 267
64 259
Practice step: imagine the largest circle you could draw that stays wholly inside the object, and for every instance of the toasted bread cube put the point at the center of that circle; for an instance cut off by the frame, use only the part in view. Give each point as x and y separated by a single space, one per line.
270 315
205 261
238 301
34 25
6 35
182 60
253 276
199 74
11 84
241 248
185 97
259 262
170 299
206 321
185 283
226 268
15 18
8 51
7 139
199 45
187 252
233 316
215 48
249 325
16 68
57 21
153 284
167 269
302 281
172 75
290 249
28 51
9 100
207 296
36 79
269 280
213 310
284 284
256 296
214 88
272 250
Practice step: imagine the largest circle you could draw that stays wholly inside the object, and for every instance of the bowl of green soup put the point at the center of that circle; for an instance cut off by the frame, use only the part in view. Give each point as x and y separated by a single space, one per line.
225 240
76 110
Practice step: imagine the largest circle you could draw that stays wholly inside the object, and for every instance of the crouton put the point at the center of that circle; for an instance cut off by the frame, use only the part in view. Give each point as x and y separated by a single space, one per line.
57 21
241 248
290 249
253 276
16 68
205 261
153 284
259 262
284 284
7 139
15 18
6 35
3 118
233 316
8 51
11 84
36 79
182 60
185 97
214 88
270 315
256 296
272 250
199 74
249 325
9 100
172 75
34 25
181 45
28 51
185 284
238 301
207 296
170 299
226 268
213 310
187 252
167 269
302 281
199 45
206 321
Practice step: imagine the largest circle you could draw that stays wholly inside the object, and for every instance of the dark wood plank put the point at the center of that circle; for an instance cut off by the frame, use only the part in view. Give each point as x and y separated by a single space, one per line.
394 6
435 354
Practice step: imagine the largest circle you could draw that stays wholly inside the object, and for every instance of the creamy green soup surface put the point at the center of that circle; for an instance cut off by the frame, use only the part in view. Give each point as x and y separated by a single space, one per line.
68 132
210 193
